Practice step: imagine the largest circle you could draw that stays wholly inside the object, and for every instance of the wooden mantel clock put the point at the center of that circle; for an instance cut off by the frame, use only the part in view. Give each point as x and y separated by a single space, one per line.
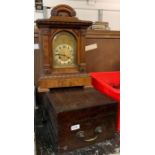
62 49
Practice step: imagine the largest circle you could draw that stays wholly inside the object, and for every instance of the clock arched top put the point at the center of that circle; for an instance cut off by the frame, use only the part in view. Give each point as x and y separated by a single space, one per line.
63 10
63 16
75 35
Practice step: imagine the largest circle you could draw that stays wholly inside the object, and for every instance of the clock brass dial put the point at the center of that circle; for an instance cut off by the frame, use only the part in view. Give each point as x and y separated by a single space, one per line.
64 50
64 54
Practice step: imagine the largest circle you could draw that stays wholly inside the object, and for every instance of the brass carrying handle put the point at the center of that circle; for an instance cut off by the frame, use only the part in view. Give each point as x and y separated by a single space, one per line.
81 134
91 139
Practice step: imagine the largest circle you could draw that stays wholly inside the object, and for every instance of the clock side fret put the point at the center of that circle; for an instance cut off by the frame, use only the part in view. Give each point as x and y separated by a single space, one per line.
46 52
82 49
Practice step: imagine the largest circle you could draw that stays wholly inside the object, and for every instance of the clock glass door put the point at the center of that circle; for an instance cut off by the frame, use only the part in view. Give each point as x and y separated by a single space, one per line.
64 50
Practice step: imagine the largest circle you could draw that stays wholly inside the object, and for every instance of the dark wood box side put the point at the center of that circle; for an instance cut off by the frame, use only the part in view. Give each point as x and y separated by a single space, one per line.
88 118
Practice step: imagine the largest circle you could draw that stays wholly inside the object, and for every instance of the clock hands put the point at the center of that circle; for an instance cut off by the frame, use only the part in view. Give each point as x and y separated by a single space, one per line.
66 55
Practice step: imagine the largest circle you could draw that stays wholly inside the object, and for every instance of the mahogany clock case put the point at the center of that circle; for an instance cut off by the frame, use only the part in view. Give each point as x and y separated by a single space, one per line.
78 117
61 59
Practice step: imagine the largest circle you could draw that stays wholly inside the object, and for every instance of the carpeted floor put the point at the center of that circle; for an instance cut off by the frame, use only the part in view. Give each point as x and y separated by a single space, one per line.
44 147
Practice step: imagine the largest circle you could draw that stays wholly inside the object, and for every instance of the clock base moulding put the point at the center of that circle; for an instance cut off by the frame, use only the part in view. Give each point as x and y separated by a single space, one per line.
57 81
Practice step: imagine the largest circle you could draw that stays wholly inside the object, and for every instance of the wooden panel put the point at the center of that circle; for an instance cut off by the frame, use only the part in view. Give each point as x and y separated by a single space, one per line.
107 55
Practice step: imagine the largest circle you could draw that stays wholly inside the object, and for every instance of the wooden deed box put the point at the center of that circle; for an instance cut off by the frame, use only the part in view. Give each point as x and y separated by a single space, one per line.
79 117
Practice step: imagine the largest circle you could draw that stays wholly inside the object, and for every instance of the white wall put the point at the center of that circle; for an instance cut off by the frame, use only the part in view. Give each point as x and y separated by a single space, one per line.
88 10
113 17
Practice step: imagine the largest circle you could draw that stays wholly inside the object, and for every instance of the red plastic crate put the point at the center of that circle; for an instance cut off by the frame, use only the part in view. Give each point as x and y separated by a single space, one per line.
109 84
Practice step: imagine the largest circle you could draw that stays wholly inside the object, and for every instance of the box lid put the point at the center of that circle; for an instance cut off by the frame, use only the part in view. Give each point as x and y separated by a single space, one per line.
69 99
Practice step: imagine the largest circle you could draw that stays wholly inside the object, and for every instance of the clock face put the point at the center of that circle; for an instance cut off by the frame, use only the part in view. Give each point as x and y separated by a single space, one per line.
64 50
64 54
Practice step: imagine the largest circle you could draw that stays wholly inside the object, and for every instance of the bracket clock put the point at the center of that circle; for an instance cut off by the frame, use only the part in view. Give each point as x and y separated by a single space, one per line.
62 49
